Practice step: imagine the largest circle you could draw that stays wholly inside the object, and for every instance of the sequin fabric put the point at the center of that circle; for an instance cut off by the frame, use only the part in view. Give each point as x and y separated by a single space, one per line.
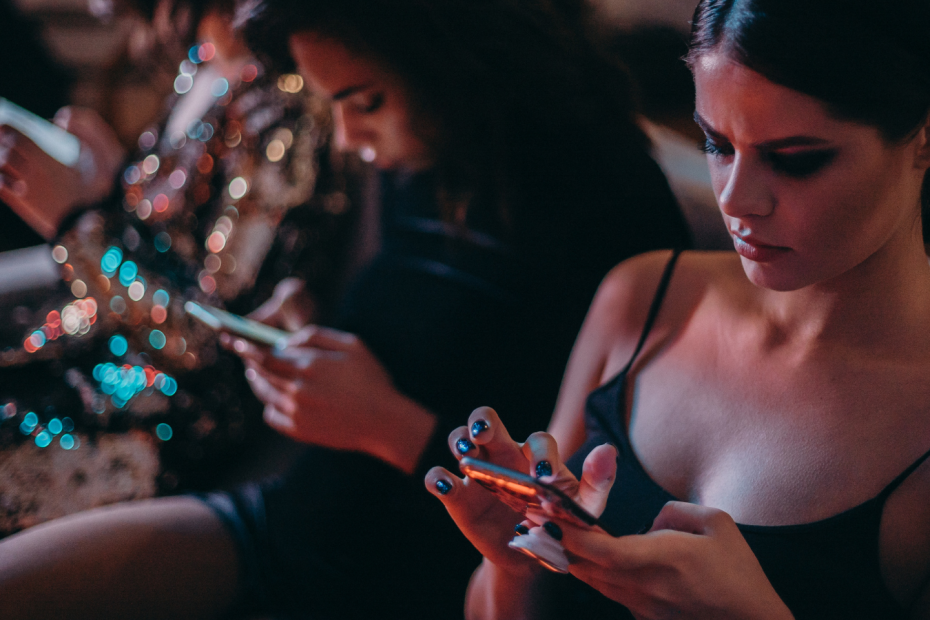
109 378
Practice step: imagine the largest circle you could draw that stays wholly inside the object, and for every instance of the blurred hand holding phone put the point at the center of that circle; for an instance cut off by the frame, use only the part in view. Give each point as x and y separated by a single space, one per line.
223 321
49 137
46 171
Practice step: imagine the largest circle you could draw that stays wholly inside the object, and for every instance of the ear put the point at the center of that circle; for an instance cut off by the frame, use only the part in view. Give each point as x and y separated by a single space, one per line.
922 155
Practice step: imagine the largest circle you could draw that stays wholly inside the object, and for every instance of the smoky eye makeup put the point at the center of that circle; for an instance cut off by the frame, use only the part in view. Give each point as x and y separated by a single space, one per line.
800 165
716 149
368 103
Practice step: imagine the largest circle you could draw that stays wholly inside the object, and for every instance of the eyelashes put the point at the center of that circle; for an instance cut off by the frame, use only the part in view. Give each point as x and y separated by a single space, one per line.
795 165
373 104
801 165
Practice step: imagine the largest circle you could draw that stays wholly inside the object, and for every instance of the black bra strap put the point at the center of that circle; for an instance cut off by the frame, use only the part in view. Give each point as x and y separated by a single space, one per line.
654 308
888 490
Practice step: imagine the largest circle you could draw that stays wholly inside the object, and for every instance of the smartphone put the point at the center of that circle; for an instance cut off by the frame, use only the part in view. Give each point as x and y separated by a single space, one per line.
524 493
223 321
49 137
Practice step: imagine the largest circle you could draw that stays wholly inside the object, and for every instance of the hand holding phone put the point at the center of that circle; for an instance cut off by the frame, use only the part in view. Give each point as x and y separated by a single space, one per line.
535 500
49 137
223 321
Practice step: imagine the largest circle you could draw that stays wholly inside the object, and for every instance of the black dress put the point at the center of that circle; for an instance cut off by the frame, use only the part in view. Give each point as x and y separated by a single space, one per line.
461 316
824 570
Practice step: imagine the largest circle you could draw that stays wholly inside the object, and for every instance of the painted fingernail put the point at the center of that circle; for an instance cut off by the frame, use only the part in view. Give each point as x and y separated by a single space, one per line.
543 468
521 529
463 446
479 427
443 487
553 530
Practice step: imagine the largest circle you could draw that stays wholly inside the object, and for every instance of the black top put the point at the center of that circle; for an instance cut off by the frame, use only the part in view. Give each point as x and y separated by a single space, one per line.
461 316
821 570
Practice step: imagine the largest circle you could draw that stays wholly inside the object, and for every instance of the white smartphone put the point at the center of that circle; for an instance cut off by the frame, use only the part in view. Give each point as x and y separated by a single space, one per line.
223 321
49 137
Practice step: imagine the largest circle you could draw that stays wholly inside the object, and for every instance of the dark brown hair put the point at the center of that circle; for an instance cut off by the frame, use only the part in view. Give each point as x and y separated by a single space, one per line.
868 62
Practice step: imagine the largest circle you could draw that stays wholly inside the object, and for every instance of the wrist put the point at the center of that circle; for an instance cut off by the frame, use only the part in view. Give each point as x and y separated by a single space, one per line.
406 431
511 592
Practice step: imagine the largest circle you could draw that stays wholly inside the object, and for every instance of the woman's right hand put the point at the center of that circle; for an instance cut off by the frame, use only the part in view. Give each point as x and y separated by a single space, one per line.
486 521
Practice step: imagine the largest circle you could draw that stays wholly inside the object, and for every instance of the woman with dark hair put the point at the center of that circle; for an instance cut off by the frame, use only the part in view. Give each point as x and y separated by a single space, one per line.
173 227
766 410
512 178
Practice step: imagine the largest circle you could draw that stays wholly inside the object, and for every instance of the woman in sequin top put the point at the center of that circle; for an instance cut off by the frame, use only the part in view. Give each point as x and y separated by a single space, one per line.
231 192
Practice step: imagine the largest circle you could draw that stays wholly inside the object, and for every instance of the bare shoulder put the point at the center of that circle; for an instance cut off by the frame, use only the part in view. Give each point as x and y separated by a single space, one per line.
623 300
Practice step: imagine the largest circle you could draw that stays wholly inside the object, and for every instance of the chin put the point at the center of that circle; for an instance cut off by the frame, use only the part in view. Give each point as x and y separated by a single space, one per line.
775 277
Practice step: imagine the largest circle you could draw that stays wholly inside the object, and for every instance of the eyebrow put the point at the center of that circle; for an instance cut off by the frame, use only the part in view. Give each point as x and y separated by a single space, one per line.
768 145
351 90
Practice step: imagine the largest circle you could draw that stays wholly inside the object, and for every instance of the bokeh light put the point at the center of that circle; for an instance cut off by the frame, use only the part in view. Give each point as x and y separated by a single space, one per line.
157 339
118 345
128 272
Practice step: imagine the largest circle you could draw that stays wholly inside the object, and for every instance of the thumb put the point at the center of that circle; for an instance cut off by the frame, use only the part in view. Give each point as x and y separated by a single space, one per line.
325 338
63 118
690 518
597 478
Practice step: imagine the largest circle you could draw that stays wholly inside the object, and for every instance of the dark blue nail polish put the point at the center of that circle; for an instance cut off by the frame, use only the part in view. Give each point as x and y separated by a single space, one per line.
479 427
553 530
521 529
443 487
463 446
543 468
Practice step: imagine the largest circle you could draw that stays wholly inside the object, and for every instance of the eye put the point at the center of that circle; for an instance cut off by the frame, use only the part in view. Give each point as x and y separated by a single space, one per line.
367 103
717 150
801 165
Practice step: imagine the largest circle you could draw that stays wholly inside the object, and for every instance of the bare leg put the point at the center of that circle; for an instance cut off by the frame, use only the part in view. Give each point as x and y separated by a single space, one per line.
162 558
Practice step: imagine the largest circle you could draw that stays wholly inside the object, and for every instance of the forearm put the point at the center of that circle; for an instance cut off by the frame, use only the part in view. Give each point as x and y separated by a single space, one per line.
495 594
402 443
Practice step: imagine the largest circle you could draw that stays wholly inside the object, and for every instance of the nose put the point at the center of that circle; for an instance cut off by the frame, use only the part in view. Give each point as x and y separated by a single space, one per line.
350 133
743 188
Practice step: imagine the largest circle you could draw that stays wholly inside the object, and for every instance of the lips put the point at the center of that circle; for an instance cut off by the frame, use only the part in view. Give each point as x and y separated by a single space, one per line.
755 250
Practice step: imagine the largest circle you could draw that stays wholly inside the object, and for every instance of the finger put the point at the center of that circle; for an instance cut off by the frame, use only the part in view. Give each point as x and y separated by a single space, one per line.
282 423
692 519
443 484
542 452
488 432
21 145
281 384
12 161
461 445
468 503
597 478
323 338
63 118
267 393
598 547
267 313
298 358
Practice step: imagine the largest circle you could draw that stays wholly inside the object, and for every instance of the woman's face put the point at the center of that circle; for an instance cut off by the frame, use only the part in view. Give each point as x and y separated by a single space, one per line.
805 196
370 107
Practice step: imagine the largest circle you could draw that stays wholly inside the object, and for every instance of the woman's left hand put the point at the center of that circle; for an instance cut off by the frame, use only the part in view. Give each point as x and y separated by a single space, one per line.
693 563
326 388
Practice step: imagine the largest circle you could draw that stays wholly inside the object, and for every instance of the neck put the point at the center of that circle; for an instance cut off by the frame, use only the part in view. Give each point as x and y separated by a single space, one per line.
881 304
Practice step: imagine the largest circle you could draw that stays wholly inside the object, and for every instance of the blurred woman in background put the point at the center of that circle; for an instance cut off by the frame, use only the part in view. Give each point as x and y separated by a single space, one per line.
512 177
